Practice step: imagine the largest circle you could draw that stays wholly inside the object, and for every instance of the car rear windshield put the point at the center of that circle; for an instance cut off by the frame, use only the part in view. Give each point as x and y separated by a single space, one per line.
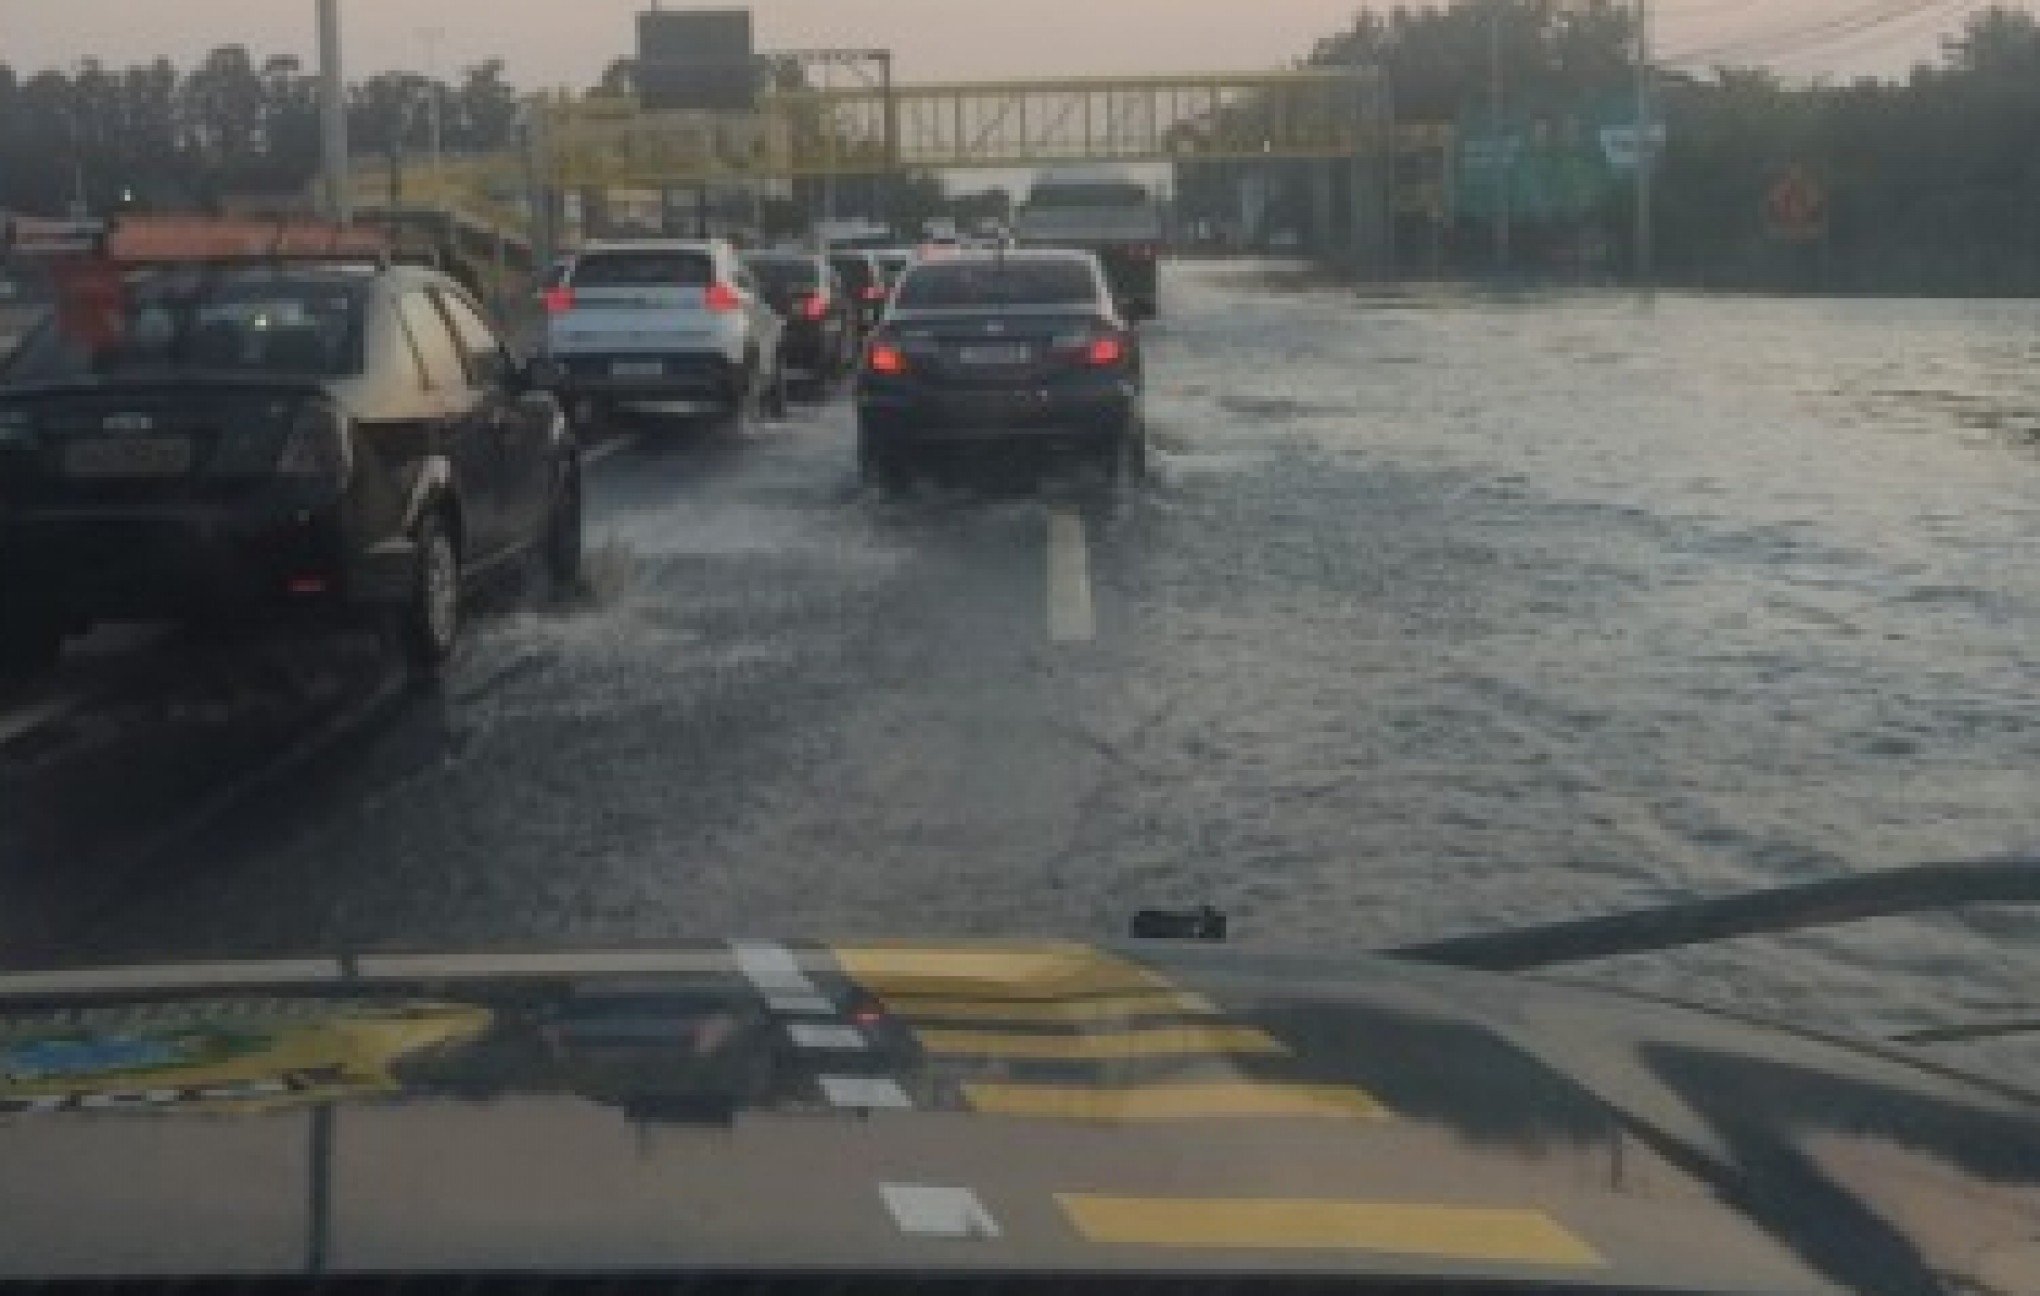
945 285
197 321
647 269
786 274
1095 193
856 271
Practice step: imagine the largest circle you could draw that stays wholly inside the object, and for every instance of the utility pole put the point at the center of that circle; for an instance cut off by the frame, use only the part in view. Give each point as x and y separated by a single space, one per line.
1646 232
80 205
432 36
333 115
889 185
1501 162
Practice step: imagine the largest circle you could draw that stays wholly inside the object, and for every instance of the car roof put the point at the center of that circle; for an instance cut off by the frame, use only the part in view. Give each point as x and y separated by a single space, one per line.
653 245
971 256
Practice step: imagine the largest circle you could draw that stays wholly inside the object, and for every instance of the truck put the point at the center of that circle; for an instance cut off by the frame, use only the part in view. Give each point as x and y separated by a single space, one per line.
1105 212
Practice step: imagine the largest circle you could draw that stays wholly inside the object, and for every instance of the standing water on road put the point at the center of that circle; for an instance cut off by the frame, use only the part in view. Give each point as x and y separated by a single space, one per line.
1444 613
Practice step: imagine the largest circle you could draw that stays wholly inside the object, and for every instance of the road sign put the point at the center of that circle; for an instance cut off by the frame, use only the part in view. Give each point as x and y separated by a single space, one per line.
699 59
1796 208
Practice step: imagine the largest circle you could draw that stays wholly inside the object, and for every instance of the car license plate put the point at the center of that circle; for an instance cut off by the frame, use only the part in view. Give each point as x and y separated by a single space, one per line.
128 457
1007 353
637 369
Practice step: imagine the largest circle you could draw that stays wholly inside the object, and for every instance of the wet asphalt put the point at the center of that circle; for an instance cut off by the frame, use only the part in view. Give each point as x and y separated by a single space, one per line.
1441 612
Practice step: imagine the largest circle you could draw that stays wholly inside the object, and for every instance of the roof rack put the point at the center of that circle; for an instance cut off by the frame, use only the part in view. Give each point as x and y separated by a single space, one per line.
141 241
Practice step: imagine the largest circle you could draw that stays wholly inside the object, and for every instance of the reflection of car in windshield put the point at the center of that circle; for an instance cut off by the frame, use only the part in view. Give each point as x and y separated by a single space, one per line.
966 1110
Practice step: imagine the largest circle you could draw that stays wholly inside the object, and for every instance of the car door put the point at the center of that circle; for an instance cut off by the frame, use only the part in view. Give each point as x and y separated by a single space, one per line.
521 429
462 432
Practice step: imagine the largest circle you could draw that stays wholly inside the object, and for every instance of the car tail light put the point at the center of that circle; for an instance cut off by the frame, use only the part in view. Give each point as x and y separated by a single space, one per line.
721 297
316 447
1105 352
558 301
814 308
885 358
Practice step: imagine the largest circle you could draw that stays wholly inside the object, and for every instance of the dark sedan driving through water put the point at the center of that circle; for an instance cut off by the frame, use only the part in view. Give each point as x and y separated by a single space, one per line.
1002 346
227 440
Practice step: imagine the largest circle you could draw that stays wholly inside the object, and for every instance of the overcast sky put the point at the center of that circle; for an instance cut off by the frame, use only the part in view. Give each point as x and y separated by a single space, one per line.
567 42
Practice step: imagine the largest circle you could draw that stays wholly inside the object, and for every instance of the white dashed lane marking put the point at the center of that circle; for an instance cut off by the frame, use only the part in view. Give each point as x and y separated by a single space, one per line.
772 968
938 1212
1071 618
841 1039
865 1093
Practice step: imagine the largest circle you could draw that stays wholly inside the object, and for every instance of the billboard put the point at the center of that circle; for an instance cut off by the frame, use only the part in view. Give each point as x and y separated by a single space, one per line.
697 59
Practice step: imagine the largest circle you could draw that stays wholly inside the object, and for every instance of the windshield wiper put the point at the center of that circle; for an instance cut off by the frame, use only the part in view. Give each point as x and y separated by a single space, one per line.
1885 893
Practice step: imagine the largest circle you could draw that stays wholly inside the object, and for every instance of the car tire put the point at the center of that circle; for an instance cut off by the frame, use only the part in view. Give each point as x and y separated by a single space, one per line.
565 537
30 644
772 402
879 465
428 621
1133 453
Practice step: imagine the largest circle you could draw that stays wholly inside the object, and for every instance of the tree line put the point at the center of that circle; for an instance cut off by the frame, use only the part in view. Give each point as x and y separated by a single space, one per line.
155 136
1925 183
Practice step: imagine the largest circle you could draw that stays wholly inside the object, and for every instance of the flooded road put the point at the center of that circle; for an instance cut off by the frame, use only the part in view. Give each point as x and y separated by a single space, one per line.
1442 613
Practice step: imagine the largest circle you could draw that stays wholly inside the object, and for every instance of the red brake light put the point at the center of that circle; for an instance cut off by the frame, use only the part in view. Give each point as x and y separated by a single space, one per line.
1105 351
885 358
721 297
558 301
815 308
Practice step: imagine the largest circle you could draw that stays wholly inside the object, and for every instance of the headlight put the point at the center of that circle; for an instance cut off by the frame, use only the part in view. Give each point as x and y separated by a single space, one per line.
318 445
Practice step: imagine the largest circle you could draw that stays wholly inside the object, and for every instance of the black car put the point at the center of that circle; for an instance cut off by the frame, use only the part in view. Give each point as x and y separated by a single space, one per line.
234 439
867 283
822 334
983 346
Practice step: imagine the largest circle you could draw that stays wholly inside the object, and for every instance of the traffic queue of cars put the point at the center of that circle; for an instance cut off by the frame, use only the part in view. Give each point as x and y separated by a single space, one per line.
210 434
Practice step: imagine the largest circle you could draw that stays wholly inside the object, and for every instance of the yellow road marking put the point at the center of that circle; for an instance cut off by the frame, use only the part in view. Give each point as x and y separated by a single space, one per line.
1174 1101
1499 1236
1054 1011
1033 971
1159 1041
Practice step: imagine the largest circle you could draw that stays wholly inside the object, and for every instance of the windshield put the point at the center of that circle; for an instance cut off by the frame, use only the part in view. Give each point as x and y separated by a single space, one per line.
784 276
1016 281
857 272
228 322
1088 193
641 269
1024 625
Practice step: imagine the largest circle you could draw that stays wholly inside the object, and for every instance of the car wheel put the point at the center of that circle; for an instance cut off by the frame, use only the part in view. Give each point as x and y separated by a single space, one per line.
1134 453
773 402
564 538
879 465
428 624
30 644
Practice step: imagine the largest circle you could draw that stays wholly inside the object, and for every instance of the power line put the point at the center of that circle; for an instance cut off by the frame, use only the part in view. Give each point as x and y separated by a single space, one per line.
1900 30
1808 37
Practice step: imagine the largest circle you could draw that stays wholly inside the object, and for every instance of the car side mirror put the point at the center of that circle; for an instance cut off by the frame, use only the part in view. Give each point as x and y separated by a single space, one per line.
542 373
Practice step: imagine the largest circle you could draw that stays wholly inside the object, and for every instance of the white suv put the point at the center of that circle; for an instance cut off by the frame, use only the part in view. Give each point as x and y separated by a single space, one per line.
664 324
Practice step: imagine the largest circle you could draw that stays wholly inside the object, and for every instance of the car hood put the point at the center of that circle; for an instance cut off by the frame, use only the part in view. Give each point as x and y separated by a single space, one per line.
994 1108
